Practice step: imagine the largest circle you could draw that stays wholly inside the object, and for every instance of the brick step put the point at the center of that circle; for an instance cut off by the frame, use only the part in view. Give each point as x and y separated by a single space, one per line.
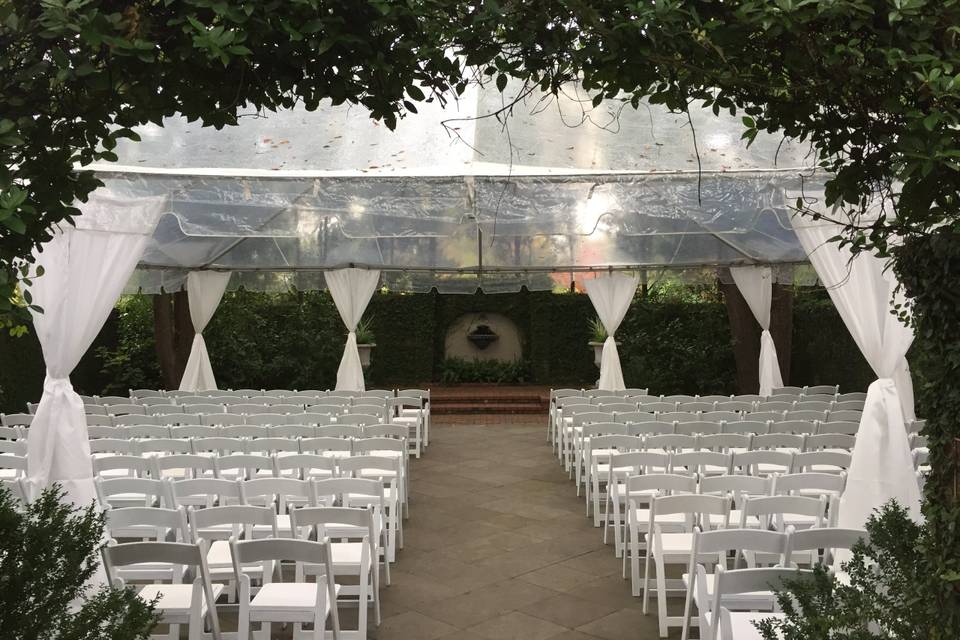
473 407
466 398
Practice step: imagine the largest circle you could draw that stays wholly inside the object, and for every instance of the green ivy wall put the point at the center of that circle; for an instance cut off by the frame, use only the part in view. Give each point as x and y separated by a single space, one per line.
295 340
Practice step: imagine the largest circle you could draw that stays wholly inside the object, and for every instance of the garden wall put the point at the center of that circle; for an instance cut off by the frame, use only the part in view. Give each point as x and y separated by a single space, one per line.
676 343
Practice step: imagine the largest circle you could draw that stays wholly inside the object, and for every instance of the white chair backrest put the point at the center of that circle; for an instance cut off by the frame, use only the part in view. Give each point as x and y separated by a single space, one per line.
325 443
771 509
113 445
217 489
725 441
829 539
701 462
223 419
697 427
810 483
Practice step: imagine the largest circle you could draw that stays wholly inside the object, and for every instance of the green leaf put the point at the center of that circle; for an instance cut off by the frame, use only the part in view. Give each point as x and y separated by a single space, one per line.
501 82
415 92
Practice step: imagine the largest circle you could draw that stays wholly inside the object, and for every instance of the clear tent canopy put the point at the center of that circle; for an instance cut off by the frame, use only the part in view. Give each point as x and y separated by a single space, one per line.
461 197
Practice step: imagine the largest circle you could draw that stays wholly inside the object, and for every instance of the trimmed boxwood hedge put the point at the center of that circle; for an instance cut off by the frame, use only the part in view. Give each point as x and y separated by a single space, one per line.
672 344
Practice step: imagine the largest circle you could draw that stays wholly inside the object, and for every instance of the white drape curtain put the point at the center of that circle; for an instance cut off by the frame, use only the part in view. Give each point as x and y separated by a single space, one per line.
756 285
611 295
351 290
204 292
863 289
85 270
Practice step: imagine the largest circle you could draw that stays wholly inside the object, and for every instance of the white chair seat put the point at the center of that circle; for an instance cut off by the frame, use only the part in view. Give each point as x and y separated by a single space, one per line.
676 544
286 601
406 419
754 601
151 571
669 522
376 473
284 528
741 624
175 599
346 554
716 520
220 562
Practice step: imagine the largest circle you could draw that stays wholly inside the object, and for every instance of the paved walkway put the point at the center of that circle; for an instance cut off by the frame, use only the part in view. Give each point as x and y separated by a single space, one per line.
497 547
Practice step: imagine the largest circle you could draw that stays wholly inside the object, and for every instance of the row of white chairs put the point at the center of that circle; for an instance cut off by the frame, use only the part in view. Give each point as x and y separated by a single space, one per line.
243 513
393 406
784 399
272 393
294 424
573 439
356 486
250 431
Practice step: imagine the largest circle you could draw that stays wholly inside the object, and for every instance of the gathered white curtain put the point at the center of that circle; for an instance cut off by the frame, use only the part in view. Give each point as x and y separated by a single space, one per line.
351 290
204 292
611 295
85 270
756 285
863 290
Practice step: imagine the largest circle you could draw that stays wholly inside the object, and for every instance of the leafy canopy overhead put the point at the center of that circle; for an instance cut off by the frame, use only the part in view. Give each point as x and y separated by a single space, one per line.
77 75
873 85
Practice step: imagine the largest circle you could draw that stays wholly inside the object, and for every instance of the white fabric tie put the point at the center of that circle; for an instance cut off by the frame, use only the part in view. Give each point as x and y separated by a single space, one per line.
351 290
756 286
204 291
611 295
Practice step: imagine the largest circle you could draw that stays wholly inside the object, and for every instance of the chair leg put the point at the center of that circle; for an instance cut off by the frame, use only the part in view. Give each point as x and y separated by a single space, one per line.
606 523
661 596
635 561
691 586
646 574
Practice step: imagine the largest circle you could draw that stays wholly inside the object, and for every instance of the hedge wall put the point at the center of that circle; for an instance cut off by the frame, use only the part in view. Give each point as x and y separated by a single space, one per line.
672 344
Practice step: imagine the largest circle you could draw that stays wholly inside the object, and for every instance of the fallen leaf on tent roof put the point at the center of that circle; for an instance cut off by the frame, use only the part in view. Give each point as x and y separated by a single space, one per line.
284 141
268 139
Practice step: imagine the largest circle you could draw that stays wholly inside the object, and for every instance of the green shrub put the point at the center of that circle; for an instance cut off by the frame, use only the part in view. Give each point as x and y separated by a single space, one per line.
460 370
49 551
131 362
892 593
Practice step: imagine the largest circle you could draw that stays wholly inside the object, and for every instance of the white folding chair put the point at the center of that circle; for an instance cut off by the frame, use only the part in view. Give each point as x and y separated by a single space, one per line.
729 544
178 603
221 524
672 547
389 473
298 602
640 492
146 524
354 554
739 625
622 465
282 494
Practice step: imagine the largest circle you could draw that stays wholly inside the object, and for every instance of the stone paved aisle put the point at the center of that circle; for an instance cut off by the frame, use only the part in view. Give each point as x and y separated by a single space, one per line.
497 547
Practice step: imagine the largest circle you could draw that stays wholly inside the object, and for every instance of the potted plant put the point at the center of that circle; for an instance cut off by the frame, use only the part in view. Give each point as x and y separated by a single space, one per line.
365 341
598 335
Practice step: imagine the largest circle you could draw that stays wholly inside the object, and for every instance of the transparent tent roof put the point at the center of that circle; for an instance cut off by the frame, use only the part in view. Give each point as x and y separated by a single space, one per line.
458 198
